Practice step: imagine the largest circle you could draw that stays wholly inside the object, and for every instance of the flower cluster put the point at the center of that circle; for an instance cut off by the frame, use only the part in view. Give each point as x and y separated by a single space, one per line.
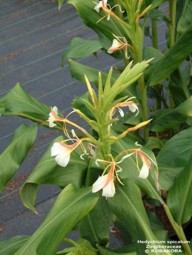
106 182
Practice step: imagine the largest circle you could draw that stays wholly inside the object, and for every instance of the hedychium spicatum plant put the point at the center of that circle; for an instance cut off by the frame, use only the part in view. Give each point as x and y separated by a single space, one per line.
106 173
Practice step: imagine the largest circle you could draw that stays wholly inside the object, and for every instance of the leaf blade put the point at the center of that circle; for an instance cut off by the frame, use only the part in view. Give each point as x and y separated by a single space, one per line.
13 156
71 205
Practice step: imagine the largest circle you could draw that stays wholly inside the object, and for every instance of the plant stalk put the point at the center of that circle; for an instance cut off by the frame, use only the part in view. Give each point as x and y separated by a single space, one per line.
154 34
172 15
172 28
178 230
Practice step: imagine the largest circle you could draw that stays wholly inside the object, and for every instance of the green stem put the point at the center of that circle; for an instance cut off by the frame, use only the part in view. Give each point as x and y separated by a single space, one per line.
138 41
154 34
39 121
172 15
143 95
178 230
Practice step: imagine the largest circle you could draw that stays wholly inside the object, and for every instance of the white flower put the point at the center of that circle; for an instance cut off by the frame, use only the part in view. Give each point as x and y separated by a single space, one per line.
116 45
53 116
100 5
62 153
144 172
105 183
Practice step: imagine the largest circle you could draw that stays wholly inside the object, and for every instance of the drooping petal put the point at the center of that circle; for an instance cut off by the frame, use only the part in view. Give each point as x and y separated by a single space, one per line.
133 107
115 45
63 160
109 189
144 172
61 153
53 116
100 5
100 183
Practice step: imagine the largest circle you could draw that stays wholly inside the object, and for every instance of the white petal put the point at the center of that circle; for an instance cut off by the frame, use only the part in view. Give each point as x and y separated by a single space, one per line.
51 124
62 160
62 154
144 172
98 6
57 148
115 44
55 109
109 189
133 108
100 183
51 118
121 112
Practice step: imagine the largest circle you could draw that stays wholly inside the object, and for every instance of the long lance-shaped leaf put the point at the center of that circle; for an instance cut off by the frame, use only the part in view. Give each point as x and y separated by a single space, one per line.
177 150
19 102
105 29
127 205
12 157
79 71
186 18
71 206
180 195
48 171
171 118
81 48
10 246
95 226
174 156
172 59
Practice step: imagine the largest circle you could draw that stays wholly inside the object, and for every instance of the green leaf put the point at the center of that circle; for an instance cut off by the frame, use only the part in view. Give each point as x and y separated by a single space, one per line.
186 19
81 48
79 71
180 195
95 226
47 171
10 246
12 157
105 29
177 150
172 59
71 206
178 87
167 175
128 206
19 102
171 118
154 143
